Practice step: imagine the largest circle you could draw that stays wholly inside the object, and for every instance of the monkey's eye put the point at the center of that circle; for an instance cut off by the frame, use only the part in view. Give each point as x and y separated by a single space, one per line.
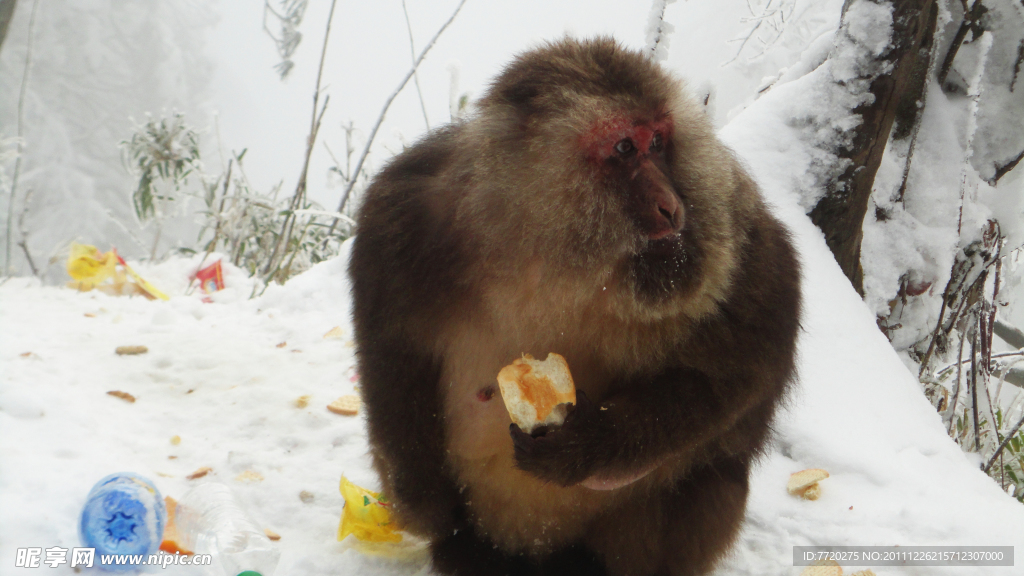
656 142
624 146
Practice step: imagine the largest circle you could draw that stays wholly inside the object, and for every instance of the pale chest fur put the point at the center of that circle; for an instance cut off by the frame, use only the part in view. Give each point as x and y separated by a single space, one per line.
515 509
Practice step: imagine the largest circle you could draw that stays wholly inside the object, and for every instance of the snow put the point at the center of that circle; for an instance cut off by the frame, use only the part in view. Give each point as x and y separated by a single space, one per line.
216 377
857 413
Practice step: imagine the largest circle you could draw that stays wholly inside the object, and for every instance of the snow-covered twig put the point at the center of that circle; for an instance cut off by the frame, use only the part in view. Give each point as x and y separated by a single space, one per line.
946 369
23 243
970 19
974 93
774 17
657 31
131 234
384 111
21 129
326 213
290 35
1009 166
1002 445
314 128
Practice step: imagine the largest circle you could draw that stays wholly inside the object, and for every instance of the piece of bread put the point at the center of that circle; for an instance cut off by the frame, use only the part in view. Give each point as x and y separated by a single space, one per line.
805 483
346 405
537 393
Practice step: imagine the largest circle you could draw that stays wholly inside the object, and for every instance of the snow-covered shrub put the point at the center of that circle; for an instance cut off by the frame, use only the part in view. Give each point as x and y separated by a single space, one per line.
264 234
251 226
944 229
163 153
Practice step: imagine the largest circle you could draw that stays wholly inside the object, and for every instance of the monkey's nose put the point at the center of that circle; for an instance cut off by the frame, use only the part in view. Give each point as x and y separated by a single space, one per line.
668 219
659 208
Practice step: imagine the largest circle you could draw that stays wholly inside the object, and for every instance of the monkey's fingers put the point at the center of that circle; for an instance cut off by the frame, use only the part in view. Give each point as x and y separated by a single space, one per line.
581 409
523 442
529 447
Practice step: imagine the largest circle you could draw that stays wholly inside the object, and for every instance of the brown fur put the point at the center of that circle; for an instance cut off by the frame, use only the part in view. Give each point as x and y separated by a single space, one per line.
497 237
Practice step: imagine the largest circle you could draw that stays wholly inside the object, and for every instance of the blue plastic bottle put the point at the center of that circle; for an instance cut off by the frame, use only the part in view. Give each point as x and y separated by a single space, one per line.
124 514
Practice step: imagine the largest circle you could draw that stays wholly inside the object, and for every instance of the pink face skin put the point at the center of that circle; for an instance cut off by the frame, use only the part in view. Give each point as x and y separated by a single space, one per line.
600 141
633 154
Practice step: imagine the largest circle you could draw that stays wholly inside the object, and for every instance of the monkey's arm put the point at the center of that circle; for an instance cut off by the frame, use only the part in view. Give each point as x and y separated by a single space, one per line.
394 266
406 429
677 415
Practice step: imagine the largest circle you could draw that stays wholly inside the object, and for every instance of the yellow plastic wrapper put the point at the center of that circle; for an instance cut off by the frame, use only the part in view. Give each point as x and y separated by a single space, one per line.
89 266
366 515
91 269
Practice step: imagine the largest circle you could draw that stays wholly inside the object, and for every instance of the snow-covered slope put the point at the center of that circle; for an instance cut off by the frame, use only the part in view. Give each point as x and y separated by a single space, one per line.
217 377
897 479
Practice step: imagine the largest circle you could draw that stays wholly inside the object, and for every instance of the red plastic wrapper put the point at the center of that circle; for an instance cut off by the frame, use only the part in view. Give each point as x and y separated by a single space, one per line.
211 278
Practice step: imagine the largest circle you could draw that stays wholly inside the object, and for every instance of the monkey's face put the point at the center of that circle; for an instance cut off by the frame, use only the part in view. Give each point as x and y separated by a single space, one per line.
599 167
633 160
631 157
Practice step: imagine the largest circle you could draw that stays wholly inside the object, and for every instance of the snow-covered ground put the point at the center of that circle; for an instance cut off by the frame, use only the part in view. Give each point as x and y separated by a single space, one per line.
218 378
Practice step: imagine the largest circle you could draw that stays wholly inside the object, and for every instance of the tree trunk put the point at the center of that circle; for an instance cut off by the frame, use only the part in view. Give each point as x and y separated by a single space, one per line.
840 213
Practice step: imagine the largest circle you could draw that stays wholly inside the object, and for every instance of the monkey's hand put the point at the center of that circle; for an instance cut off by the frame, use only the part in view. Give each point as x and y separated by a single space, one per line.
565 455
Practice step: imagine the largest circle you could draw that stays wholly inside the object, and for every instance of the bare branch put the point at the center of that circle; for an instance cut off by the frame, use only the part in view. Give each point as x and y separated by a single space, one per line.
415 76
974 390
314 128
971 18
1005 169
384 111
1006 440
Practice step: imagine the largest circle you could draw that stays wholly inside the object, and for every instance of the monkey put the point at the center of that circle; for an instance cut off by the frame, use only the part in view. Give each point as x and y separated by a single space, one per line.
587 208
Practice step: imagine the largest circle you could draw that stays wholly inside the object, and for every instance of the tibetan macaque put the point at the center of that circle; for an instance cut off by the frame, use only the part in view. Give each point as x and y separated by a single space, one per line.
585 208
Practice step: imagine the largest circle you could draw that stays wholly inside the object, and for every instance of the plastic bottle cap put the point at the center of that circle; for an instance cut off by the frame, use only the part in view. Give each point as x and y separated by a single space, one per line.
123 514
250 573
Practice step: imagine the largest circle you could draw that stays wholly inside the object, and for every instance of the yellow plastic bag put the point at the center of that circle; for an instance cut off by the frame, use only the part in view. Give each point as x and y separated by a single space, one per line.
366 515
92 269
89 266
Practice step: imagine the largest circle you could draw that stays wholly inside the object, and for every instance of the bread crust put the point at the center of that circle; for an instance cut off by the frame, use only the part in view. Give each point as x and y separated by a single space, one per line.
537 392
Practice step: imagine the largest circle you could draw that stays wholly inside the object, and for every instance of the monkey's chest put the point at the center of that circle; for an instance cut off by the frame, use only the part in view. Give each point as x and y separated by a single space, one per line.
516 510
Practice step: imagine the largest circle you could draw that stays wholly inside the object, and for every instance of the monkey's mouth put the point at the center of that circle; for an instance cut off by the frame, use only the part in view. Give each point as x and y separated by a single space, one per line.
666 246
663 267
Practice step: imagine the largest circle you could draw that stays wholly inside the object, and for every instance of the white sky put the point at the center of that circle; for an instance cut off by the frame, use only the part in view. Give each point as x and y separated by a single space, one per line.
271 118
